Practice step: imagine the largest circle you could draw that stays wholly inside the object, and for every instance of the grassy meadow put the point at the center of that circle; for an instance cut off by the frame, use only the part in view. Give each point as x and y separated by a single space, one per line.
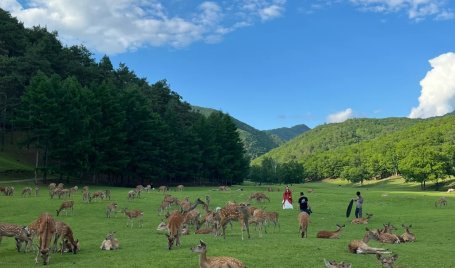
390 201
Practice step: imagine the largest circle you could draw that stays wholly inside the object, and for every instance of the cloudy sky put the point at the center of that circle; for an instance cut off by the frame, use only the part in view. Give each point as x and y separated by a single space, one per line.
274 63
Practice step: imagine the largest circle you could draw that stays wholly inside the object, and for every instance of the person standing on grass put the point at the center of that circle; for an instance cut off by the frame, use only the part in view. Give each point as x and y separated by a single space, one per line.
287 199
358 205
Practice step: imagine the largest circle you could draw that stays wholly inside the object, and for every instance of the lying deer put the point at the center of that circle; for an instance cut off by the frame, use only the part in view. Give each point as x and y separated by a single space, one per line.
304 221
442 201
387 261
331 234
334 264
110 243
66 205
214 262
133 214
361 246
362 220
408 236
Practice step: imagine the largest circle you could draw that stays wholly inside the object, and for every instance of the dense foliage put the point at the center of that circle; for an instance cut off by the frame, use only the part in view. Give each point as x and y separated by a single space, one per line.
88 120
360 149
288 133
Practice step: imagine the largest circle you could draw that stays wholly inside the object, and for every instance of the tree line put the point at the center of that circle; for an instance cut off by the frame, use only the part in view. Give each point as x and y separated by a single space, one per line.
88 120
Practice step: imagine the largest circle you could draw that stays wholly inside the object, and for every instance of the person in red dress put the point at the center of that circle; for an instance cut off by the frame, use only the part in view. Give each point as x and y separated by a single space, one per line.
287 199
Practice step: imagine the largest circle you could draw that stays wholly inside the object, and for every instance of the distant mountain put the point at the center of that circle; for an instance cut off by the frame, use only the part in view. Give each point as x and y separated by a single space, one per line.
258 142
288 133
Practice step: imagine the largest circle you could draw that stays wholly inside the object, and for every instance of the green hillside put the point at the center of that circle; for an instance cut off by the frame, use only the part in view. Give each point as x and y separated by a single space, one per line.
288 133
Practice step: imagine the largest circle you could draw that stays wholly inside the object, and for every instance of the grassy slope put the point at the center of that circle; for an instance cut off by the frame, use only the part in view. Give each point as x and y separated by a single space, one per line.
145 247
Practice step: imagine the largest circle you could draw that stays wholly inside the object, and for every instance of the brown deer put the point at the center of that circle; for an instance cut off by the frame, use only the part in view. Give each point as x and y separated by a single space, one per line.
98 195
235 212
110 243
180 187
259 197
210 230
273 218
63 231
331 234
441 202
214 262
46 231
134 214
408 236
86 196
362 220
334 264
20 233
111 208
260 217
175 224
304 221
85 188
27 191
66 205
163 189
131 195
361 246
387 261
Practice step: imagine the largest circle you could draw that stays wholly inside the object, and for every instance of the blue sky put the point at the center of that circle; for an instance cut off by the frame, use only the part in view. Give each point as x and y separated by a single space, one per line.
274 63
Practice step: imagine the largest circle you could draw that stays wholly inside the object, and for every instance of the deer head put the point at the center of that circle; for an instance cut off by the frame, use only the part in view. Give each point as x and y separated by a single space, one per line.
201 248
387 261
170 240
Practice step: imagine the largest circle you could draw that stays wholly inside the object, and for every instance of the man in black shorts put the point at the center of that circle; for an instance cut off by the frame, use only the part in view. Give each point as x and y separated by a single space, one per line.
304 205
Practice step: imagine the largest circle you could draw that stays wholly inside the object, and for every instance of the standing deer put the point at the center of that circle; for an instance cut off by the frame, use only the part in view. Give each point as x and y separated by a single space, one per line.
163 189
20 233
111 208
304 221
97 195
408 236
63 231
27 191
180 187
86 196
66 205
214 262
334 264
131 195
46 231
361 246
260 217
235 212
362 220
331 234
107 194
134 214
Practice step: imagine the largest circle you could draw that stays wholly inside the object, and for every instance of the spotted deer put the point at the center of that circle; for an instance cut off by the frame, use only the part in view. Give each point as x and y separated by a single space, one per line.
46 231
387 261
235 212
334 264
180 187
362 220
52 186
214 262
110 242
331 234
20 233
273 218
361 246
441 202
65 206
27 191
110 209
134 214
408 236
148 188
259 218
259 197
64 193
175 224
63 231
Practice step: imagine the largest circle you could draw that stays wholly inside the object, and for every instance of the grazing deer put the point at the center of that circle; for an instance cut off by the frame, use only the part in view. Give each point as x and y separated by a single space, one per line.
259 197
163 189
64 193
408 236
163 206
362 220
304 221
334 264
214 262
138 191
133 214
234 212
442 201
361 246
55 192
74 189
331 234
148 188
131 195
20 233
111 208
387 261
66 205
63 231
27 191
260 217
175 224
52 186
98 195
180 187
8 190
272 217
110 243
46 231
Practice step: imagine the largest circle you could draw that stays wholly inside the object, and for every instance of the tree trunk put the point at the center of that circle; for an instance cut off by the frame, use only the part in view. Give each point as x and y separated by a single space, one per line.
45 166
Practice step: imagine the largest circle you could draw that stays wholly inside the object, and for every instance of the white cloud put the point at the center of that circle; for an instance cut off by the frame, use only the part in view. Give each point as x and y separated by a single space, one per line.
116 26
415 9
438 88
340 116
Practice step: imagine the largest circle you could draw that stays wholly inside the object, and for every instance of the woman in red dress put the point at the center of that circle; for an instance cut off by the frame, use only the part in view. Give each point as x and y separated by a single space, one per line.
287 199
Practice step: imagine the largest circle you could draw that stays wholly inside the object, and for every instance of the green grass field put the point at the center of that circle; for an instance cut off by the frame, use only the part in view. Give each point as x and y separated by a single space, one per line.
391 201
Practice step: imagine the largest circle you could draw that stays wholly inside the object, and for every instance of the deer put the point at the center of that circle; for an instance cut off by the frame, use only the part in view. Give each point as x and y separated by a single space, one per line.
310 190
74 189
362 220
334 264
55 192
175 224
260 217
210 230
20 233
163 189
27 191
224 188
214 262
148 188
451 190
331 234
98 195
258 196
180 188
52 186
63 231
408 236
86 196
234 212
272 217
442 201
64 206
107 194
131 195
46 231
85 188
304 221
60 185
133 214
111 208
361 246
387 261
110 242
